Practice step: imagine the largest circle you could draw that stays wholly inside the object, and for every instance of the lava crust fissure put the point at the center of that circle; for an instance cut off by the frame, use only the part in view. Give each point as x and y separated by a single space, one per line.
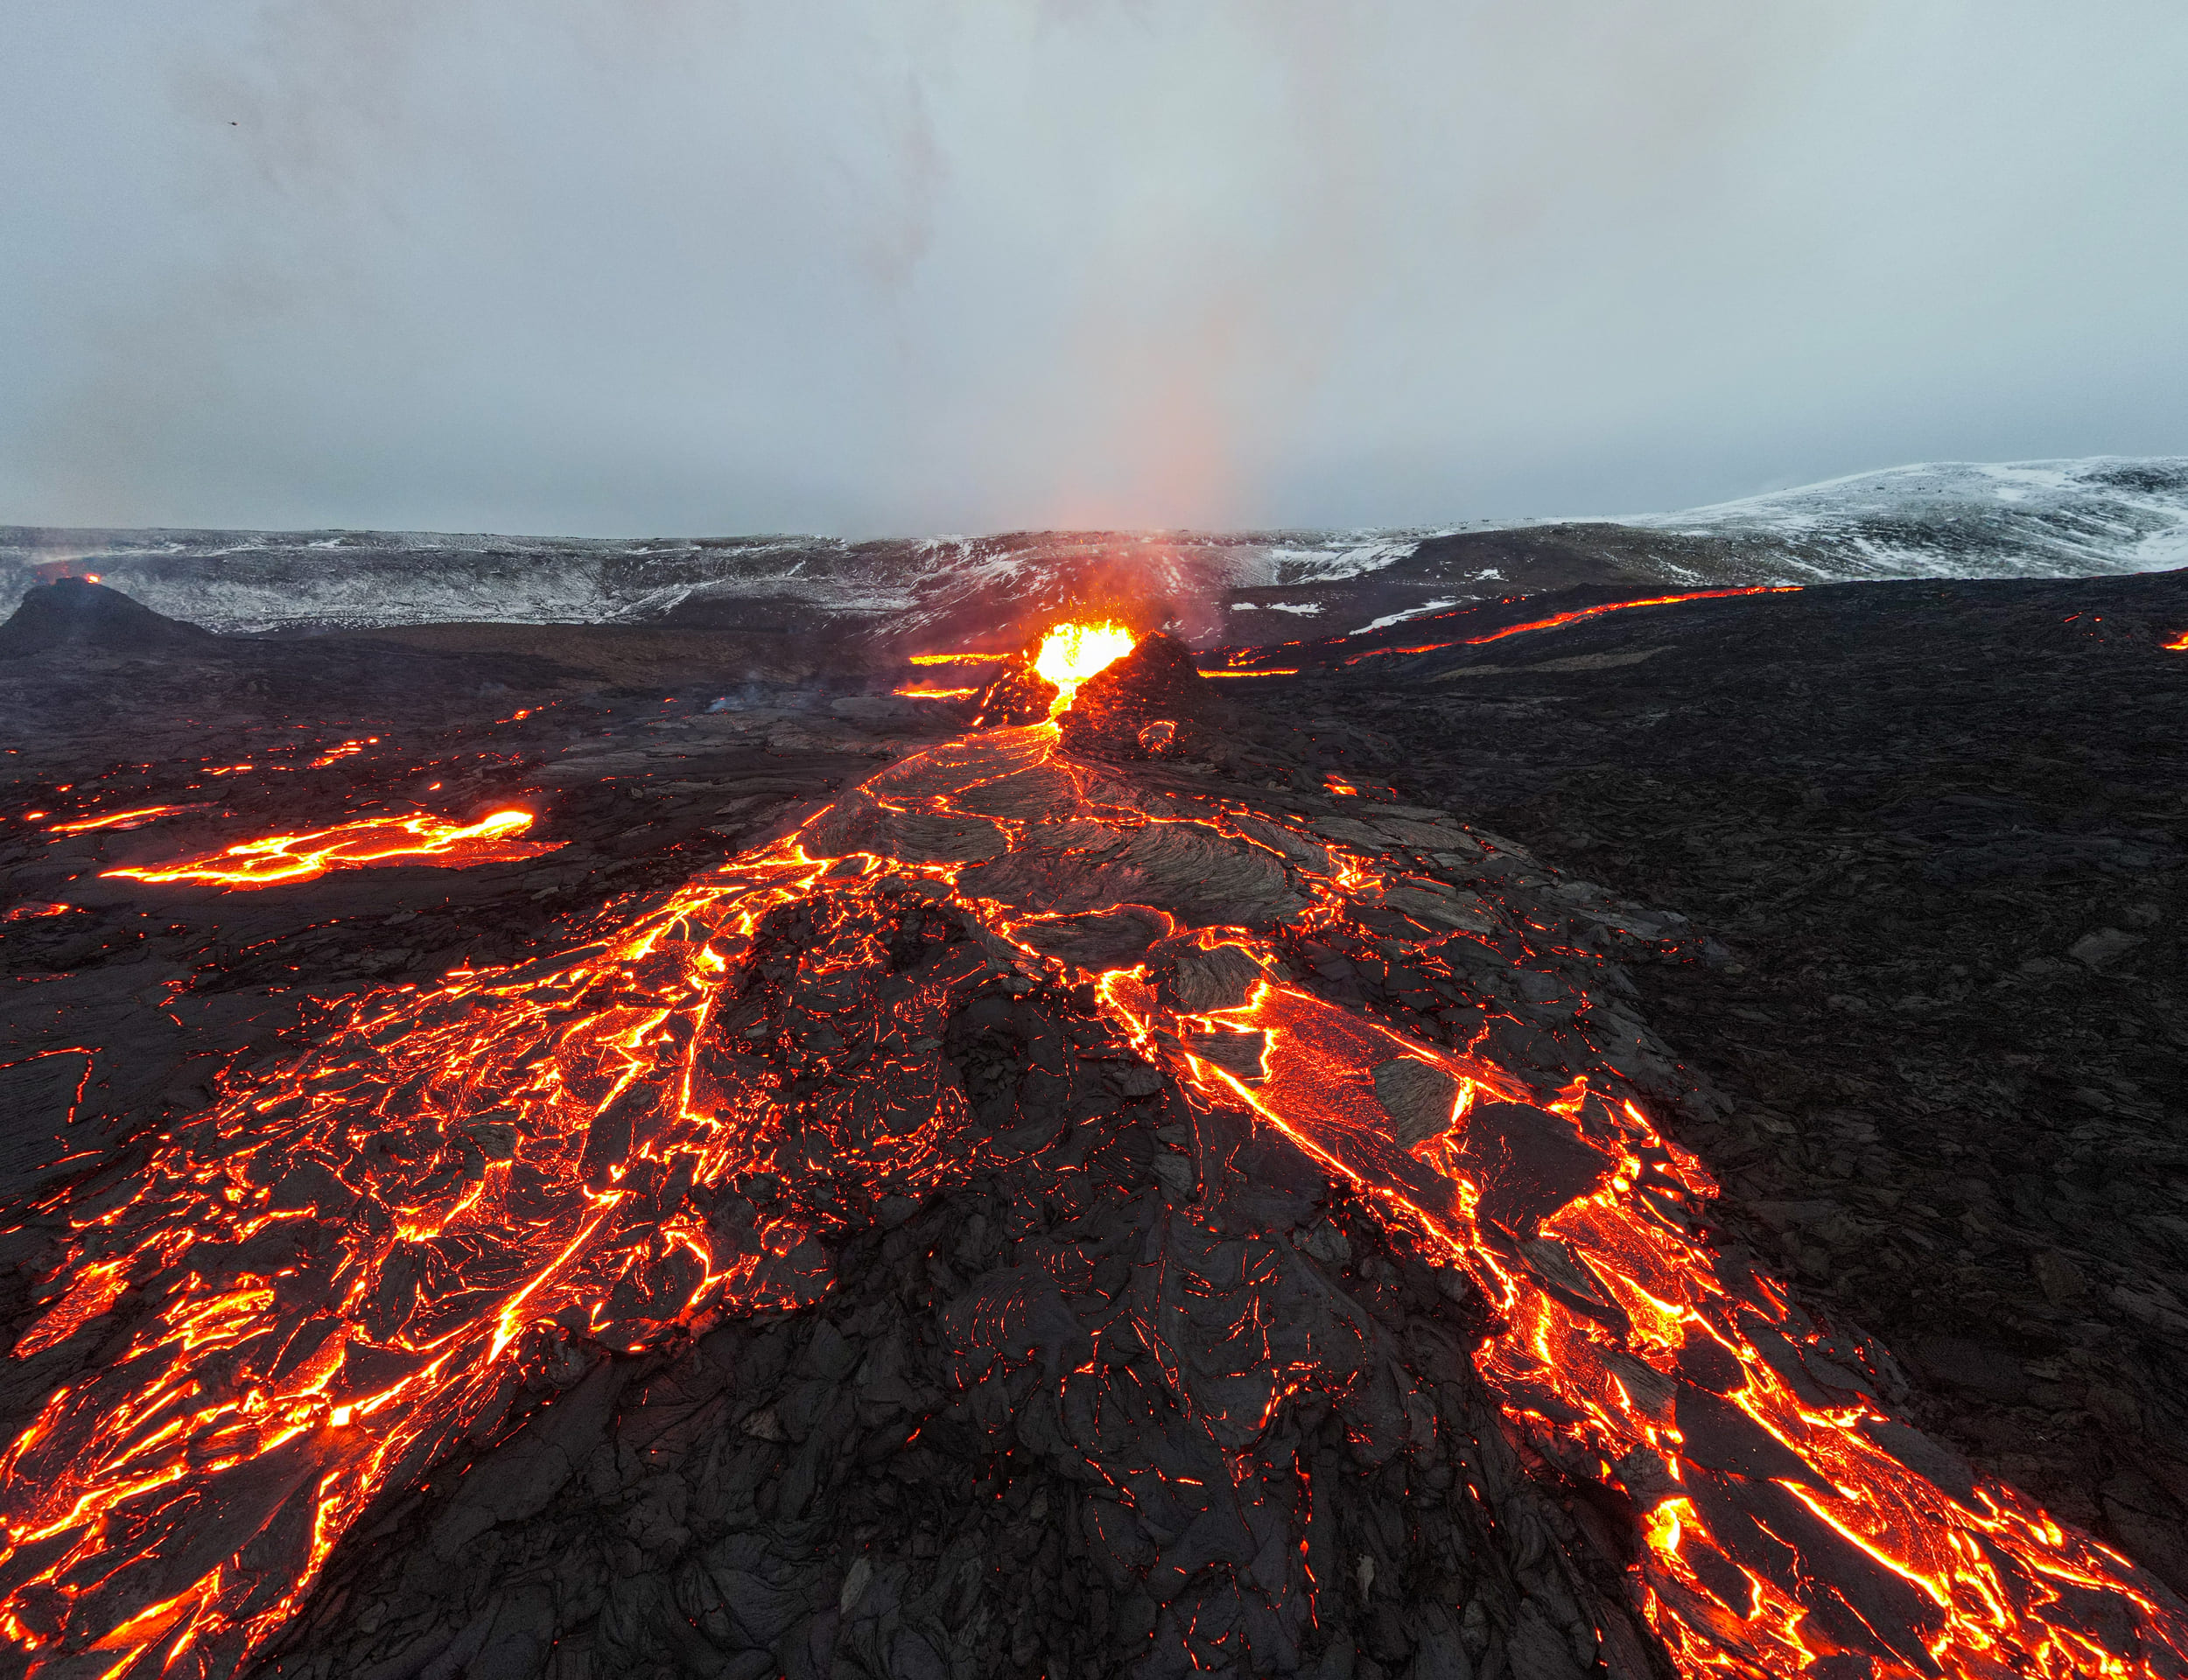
992 1231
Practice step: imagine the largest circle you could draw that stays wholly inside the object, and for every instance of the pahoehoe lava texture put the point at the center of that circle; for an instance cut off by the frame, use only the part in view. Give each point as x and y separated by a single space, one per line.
1108 1373
1936 832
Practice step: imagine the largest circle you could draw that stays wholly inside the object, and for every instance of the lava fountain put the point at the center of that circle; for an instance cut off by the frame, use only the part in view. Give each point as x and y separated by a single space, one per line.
1071 653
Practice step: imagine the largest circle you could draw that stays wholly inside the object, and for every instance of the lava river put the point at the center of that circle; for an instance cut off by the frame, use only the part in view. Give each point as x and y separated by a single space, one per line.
316 1290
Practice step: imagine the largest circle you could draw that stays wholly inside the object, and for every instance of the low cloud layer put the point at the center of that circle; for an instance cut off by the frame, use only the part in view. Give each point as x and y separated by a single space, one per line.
625 266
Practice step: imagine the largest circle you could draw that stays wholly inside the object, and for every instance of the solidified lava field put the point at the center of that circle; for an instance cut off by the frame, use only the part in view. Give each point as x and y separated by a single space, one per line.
1123 1173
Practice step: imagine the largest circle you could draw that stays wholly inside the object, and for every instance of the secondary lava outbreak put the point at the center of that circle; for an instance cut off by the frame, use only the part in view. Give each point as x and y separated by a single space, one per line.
1011 959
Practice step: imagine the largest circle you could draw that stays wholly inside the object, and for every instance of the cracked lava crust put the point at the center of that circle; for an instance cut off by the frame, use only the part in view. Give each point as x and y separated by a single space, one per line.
980 1201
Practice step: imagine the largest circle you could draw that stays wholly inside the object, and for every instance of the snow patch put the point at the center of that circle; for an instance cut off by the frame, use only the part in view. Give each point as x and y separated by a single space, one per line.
1389 619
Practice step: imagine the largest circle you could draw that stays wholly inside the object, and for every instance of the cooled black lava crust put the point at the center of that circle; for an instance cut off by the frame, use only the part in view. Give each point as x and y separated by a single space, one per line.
1927 840
1939 827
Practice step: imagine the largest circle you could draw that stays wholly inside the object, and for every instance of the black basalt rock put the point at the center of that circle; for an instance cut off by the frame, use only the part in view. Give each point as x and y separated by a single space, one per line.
75 611
1119 711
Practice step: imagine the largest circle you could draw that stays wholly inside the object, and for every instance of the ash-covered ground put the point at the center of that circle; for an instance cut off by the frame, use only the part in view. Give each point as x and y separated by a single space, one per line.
1893 869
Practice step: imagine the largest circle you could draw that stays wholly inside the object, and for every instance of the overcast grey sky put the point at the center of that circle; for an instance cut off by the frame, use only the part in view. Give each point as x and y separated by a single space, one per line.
862 266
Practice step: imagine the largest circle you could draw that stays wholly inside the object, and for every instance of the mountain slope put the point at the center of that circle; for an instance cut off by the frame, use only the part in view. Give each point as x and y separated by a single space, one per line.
2044 518
2020 519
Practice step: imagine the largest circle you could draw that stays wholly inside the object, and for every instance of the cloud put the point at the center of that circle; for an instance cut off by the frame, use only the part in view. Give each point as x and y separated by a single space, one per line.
964 264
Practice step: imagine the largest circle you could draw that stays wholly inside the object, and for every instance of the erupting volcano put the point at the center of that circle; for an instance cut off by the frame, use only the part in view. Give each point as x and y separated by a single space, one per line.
1072 653
1274 1279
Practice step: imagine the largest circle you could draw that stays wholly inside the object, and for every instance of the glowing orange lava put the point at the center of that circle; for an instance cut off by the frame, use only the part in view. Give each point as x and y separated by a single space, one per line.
344 1269
959 659
1071 653
136 819
361 844
35 908
2178 644
1577 615
913 692
349 749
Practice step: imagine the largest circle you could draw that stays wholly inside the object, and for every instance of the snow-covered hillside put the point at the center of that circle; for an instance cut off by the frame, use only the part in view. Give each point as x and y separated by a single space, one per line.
2032 518
1965 519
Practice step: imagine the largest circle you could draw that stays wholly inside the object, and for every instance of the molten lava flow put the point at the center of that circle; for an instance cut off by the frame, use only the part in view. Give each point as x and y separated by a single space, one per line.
1071 653
136 819
912 691
350 749
35 908
1619 606
2178 644
1274 671
1577 615
374 840
959 659
316 1290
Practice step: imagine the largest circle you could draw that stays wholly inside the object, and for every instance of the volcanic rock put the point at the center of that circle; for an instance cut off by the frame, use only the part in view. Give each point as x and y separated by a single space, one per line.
1016 694
1155 684
2098 949
1419 1097
1199 980
1017 1417
836 601
1920 828
74 612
